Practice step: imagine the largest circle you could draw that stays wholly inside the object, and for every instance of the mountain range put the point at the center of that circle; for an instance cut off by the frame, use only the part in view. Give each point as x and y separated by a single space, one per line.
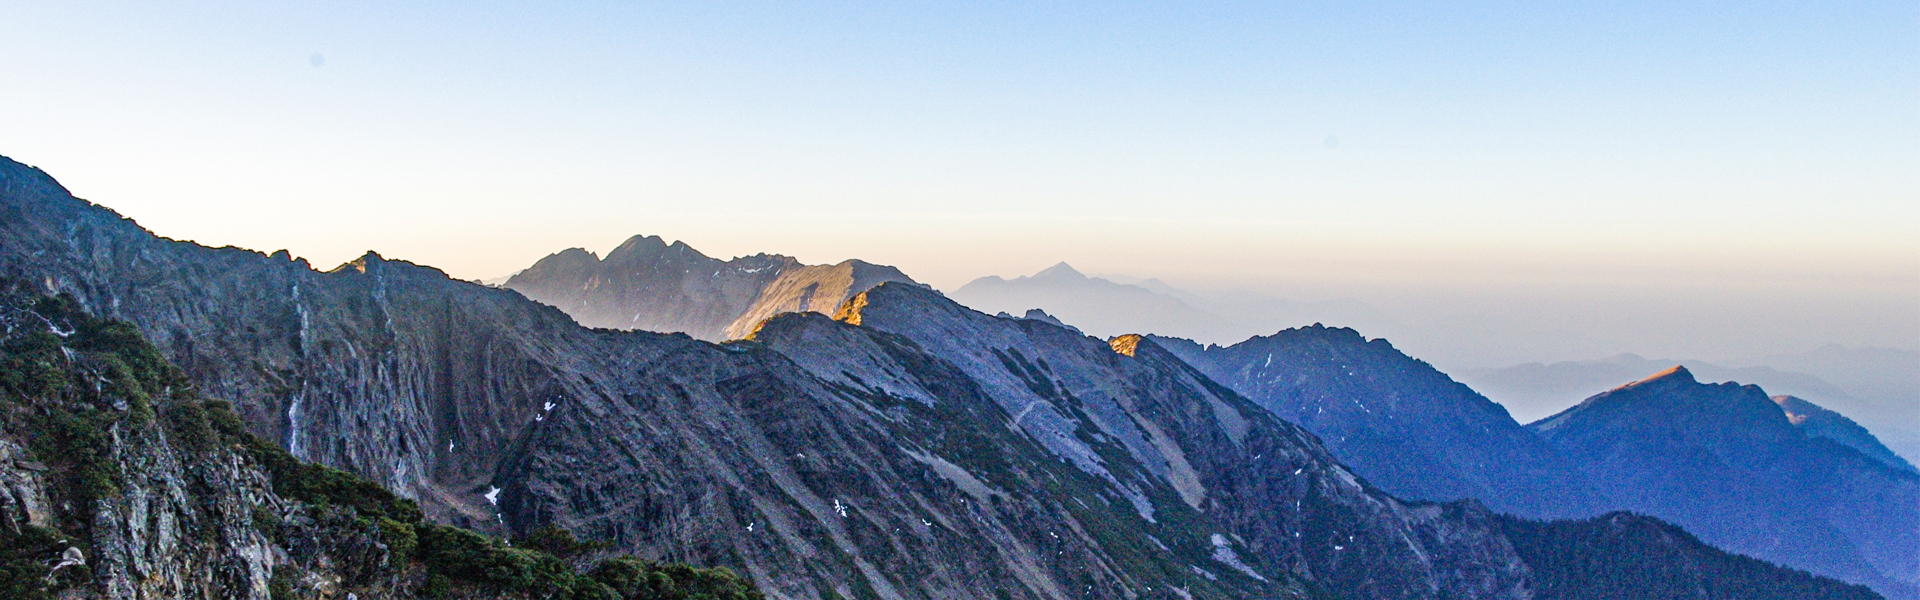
1882 403
904 447
1806 487
1725 462
1110 306
649 285
1879 387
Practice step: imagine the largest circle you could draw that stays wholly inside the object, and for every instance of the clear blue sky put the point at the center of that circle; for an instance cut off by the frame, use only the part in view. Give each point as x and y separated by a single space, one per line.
1702 156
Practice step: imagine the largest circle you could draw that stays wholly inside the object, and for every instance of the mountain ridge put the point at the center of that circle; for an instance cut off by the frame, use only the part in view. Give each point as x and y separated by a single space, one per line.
1726 462
647 284
774 455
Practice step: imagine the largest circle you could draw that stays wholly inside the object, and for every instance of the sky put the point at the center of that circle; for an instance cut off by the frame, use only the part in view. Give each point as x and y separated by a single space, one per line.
1698 179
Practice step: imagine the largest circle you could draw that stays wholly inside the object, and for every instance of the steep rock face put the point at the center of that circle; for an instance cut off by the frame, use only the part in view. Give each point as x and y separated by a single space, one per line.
812 288
1723 461
112 485
914 449
1822 423
118 481
1399 422
379 367
648 285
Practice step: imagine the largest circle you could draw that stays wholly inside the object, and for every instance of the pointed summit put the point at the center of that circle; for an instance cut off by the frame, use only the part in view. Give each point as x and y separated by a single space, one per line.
1675 375
641 249
1059 271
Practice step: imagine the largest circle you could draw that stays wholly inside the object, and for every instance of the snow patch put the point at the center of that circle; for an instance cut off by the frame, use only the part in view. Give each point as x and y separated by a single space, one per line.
493 495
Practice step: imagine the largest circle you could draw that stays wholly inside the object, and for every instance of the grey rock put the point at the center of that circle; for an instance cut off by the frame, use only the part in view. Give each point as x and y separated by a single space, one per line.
648 285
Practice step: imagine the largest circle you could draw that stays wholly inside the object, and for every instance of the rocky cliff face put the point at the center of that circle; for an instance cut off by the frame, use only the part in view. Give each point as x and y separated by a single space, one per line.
113 484
648 285
1723 461
909 449
118 481
1399 422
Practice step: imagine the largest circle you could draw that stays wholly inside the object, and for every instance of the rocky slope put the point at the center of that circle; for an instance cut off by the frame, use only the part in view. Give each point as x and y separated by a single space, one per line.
648 285
117 480
1725 462
1399 422
910 449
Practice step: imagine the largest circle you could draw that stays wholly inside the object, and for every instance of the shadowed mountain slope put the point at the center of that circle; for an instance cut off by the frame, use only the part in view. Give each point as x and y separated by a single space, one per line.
648 285
1632 556
1725 462
1399 422
911 449
1534 390
1822 423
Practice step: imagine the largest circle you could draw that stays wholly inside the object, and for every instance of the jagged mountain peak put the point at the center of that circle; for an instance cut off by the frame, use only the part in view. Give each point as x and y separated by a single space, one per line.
375 264
646 248
639 245
369 258
649 284
898 297
1322 332
1674 375
574 255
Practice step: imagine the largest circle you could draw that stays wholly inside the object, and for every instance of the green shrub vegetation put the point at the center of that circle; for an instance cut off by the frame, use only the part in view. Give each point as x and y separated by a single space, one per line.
68 378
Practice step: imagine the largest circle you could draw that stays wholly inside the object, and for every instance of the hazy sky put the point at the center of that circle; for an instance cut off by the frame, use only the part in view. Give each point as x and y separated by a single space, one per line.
1722 176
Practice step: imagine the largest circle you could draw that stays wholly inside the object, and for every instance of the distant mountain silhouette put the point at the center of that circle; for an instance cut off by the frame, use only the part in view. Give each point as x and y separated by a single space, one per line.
1884 384
646 284
1097 306
1885 375
1823 423
1403 425
1726 462
1814 491
1535 390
